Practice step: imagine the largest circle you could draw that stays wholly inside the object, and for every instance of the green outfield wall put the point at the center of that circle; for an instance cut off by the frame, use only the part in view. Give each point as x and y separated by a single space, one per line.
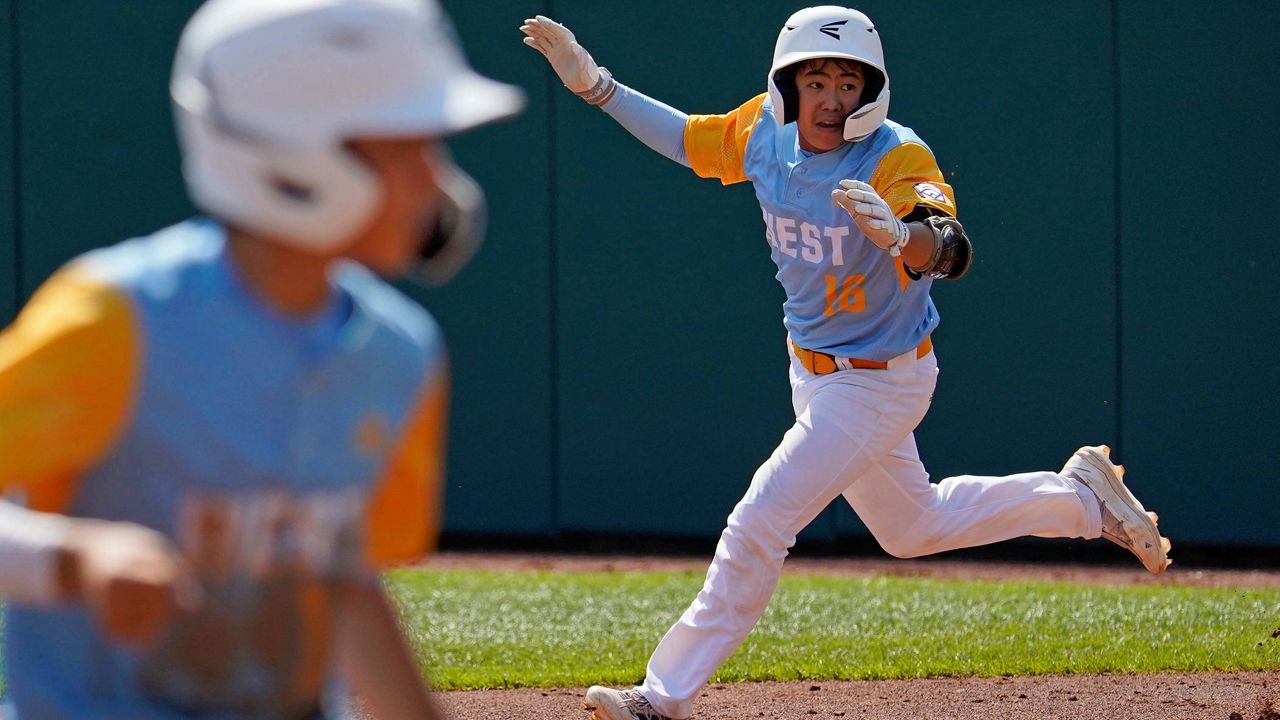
617 345
8 163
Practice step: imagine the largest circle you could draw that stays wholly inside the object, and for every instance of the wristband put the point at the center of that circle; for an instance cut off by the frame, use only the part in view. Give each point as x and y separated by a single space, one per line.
602 91
901 236
30 544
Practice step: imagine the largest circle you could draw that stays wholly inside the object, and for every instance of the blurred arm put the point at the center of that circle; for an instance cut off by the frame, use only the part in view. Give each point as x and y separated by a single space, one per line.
401 525
34 567
375 659
403 516
130 576
68 368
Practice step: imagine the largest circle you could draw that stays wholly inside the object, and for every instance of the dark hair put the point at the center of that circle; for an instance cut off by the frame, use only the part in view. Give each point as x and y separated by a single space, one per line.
819 64
873 81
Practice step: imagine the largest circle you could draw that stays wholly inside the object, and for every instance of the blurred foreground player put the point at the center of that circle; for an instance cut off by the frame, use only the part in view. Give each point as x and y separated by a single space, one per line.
221 432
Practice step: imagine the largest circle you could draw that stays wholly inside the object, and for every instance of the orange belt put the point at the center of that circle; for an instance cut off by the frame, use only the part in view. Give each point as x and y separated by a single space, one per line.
820 363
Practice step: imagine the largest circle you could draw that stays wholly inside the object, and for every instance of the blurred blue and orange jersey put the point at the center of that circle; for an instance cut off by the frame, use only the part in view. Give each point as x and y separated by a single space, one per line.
845 296
145 383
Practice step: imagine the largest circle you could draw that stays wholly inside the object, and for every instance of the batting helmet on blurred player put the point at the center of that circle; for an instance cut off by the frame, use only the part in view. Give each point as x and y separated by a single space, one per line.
830 32
266 93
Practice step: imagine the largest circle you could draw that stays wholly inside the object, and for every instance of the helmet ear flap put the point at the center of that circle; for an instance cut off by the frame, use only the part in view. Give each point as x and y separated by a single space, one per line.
311 199
785 81
458 230
873 85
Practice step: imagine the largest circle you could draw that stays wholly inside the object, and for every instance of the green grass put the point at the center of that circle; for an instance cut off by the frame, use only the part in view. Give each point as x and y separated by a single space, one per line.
493 629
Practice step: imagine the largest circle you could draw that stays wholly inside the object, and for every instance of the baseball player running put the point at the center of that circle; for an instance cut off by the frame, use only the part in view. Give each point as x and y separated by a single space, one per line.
860 224
221 432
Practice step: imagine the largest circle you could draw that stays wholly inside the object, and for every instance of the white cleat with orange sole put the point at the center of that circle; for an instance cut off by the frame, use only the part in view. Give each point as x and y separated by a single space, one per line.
609 704
1124 521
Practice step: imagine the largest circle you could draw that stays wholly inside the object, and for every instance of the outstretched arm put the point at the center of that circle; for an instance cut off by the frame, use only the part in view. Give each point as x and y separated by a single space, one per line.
655 124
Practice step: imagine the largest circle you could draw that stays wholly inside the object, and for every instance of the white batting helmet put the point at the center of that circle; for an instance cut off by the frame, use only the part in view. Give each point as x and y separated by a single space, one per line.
266 92
829 31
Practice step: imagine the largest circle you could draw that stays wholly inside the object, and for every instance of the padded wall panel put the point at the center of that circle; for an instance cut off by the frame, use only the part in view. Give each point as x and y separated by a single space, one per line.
1200 325
99 159
497 314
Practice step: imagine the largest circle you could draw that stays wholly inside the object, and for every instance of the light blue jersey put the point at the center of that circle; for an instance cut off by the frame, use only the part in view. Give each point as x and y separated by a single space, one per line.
279 455
845 296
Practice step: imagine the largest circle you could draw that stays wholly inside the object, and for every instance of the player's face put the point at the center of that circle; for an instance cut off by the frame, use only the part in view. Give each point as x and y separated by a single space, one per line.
406 168
828 91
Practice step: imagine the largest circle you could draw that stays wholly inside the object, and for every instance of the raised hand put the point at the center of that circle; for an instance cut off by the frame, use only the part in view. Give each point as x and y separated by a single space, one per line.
577 70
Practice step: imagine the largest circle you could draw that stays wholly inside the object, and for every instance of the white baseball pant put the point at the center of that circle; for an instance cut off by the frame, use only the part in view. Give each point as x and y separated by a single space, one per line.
852 437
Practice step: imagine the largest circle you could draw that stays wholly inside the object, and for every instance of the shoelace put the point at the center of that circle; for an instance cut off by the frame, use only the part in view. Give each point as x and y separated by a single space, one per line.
639 706
1113 528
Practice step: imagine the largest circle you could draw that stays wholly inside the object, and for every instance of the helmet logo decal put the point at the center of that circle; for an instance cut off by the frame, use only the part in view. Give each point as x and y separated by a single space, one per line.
832 29
292 189
349 39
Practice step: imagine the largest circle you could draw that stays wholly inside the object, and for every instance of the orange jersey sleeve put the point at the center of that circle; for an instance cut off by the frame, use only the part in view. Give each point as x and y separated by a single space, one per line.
908 177
715 144
403 517
68 371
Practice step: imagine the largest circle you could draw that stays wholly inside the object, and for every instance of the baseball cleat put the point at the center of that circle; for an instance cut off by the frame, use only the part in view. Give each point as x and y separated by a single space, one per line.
609 704
1124 521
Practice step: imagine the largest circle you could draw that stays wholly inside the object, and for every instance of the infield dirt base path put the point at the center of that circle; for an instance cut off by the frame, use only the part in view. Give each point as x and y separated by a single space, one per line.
1215 696
1163 696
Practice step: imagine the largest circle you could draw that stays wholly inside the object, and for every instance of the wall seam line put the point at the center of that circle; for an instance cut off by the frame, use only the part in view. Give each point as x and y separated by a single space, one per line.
16 138
553 314
1117 191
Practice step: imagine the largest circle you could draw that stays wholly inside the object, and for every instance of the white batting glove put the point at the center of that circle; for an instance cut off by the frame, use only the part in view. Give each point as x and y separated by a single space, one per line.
570 60
873 216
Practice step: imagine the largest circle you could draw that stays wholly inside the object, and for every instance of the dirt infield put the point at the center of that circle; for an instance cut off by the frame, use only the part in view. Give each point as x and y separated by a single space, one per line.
1220 696
1164 696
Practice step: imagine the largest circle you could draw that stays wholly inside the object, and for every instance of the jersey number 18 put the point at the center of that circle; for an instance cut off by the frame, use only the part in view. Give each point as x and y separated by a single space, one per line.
847 296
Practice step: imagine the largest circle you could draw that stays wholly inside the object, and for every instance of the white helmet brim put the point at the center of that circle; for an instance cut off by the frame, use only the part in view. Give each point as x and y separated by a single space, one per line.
467 100
472 100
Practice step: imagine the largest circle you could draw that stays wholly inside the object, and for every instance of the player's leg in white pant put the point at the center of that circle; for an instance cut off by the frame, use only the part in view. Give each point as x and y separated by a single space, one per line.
848 422
909 516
